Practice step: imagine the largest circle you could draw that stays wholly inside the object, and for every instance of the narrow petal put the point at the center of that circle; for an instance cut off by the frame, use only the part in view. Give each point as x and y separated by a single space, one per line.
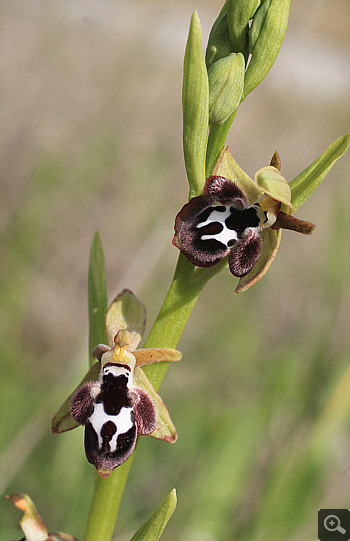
165 429
156 355
245 253
270 243
99 350
128 313
276 161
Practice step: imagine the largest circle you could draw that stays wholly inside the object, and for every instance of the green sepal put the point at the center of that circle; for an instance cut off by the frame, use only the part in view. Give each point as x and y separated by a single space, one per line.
239 12
125 312
226 82
270 180
306 182
63 421
154 526
97 292
165 429
195 107
156 355
226 166
268 34
270 242
219 43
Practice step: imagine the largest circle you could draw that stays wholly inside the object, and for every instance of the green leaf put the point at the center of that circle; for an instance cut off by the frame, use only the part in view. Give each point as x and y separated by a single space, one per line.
267 32
63 421
126 312
195 106
307 182
97 295
154 526
165 429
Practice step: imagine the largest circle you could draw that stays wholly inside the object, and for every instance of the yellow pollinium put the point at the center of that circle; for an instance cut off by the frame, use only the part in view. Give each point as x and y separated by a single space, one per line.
119 353
122 340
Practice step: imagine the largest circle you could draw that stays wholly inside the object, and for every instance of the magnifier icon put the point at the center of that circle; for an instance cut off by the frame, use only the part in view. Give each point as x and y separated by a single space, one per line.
332 524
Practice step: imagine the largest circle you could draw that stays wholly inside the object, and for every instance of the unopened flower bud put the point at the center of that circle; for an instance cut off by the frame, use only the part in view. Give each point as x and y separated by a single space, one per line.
266 36
239 12
226 82
219 43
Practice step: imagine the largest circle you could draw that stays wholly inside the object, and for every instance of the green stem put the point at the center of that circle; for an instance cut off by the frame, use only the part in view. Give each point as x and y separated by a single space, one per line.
105 503
216 142
183 293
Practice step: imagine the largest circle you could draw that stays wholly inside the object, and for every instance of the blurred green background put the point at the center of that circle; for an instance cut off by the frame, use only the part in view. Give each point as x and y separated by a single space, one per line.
91 140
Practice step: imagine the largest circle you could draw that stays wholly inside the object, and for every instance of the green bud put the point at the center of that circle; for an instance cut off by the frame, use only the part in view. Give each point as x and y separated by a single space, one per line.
239 12
226 82
266 36
258 24
195 107
219 43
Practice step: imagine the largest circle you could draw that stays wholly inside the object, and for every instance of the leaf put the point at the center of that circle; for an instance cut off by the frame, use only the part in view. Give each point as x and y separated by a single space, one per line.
154 526
156 355
128 313
307 182
271 241
63 421
165 429
97 295
195 108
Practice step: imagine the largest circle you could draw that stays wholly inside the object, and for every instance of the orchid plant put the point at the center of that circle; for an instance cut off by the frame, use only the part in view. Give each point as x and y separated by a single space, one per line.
230 220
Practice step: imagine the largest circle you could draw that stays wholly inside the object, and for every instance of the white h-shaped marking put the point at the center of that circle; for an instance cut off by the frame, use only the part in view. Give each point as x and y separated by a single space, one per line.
226 235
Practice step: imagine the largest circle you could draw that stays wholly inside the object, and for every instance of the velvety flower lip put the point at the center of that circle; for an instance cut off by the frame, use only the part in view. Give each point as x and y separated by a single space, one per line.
238 217
220 223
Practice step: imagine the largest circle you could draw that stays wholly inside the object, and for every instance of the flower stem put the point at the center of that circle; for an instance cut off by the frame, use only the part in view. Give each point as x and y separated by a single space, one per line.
216 142
181 298
105 503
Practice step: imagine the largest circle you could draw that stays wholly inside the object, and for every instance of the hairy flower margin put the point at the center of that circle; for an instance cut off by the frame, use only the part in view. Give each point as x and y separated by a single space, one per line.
238 218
